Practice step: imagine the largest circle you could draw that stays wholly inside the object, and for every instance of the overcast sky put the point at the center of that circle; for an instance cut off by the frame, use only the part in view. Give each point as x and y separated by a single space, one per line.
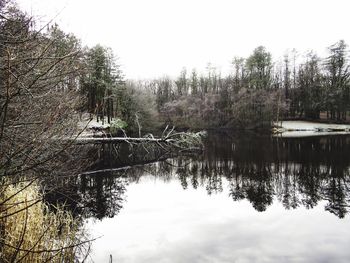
157 37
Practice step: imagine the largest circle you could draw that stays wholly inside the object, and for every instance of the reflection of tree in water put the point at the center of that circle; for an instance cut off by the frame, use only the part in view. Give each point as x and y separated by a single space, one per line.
336 192
102 196
296 172
90 195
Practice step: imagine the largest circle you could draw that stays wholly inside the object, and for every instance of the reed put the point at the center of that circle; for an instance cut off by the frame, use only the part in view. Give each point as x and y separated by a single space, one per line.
30 232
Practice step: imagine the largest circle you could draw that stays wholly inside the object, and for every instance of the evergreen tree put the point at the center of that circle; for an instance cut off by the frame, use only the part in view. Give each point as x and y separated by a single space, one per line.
101 82
337 80
259 67
310 87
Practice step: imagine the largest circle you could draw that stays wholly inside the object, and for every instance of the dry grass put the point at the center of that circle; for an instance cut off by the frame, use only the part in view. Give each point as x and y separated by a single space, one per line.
29 232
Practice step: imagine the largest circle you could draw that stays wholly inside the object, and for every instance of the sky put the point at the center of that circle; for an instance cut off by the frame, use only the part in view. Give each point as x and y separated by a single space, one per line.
153 38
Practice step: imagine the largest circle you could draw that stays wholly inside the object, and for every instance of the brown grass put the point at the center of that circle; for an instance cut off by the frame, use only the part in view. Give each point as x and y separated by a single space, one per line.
29 232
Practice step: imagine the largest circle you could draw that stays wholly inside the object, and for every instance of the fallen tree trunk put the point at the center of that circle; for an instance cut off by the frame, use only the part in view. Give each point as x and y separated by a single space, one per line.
171 141
120 140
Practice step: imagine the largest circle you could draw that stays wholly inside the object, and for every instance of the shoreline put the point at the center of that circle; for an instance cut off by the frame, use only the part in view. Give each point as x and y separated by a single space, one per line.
289 129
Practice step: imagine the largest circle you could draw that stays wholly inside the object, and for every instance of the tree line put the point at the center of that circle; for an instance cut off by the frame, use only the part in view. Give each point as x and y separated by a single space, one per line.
256 92
259 90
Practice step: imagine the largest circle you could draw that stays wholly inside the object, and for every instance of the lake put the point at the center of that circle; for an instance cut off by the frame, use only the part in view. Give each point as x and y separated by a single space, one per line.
246 198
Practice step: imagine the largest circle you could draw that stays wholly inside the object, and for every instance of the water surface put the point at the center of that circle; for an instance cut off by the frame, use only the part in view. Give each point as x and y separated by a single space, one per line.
247 198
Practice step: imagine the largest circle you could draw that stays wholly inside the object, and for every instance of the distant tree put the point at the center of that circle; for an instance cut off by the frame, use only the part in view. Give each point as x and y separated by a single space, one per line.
310 87
164 91
194 82
182 83
101 81
294 92
141 110
337 80
259 67
212 79
203 86
239 74
286 76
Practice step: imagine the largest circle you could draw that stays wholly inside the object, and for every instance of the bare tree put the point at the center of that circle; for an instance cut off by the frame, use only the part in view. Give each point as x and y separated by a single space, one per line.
39 75
37 101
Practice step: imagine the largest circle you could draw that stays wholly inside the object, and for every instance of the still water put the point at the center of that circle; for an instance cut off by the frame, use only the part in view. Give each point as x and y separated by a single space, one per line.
247 198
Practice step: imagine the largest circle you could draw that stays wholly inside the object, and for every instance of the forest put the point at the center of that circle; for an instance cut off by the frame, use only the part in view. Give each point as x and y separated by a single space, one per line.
256 92
49 79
